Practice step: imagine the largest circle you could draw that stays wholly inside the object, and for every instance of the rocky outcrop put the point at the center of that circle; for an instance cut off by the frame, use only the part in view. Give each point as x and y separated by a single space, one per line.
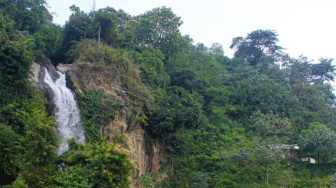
35 70
73 77
125 126
74 81
145 156
37 78
63 68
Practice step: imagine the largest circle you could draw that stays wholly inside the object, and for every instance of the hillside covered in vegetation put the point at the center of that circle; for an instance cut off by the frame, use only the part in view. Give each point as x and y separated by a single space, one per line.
246 121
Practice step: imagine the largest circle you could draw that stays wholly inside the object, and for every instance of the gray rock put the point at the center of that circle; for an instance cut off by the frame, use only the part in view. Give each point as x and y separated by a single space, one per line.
64 68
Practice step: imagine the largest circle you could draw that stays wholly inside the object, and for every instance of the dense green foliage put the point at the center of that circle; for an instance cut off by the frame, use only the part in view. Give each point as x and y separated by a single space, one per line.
98 109
219 120
28 135
94 165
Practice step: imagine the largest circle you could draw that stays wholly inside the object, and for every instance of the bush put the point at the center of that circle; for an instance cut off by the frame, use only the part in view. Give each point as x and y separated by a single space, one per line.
98 109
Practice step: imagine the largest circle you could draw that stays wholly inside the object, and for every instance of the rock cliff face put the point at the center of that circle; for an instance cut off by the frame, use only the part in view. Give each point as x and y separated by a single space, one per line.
37 78
145 156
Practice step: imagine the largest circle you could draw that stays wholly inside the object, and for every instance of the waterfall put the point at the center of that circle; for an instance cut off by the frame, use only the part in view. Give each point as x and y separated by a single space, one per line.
66 111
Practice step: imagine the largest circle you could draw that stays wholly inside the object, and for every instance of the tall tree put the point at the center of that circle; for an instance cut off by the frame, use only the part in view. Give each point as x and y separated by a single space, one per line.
10 150
266 159
160 28
16 55
324 70
77 28
29 15
318 141
216 49
256 44
106 25
270 125
296 70
163 21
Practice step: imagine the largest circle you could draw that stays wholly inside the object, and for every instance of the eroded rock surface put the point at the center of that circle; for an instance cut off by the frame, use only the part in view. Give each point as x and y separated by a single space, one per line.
145 156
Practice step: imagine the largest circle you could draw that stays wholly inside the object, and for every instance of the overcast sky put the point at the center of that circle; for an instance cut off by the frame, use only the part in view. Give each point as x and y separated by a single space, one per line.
306 27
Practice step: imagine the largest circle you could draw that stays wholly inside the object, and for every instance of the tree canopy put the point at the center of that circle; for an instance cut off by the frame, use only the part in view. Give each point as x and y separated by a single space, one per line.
213 119
256 44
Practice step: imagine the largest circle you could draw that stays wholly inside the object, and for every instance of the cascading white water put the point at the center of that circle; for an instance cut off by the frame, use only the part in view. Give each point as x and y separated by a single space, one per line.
67 112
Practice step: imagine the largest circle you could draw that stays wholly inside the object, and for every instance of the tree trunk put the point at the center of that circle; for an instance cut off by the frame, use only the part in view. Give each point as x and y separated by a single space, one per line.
99 35
266 173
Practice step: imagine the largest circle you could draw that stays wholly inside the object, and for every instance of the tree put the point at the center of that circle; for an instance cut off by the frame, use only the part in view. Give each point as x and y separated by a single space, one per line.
259 92
173 110
100 163
48 40
10 152
201 48
163 22
189 80
150 61
106 25
77 28
272 126
266 159
28 15
159 28
256 44
296 71
145 33
40 142
314 97
323 71
199 179
73 176
98 108
318 141
216 49
302 70
16 55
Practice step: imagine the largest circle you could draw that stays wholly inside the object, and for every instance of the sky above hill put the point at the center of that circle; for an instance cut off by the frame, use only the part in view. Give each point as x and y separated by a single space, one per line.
305 27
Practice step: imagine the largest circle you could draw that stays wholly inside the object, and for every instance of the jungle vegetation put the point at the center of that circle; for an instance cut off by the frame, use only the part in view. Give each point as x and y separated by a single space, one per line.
216 117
